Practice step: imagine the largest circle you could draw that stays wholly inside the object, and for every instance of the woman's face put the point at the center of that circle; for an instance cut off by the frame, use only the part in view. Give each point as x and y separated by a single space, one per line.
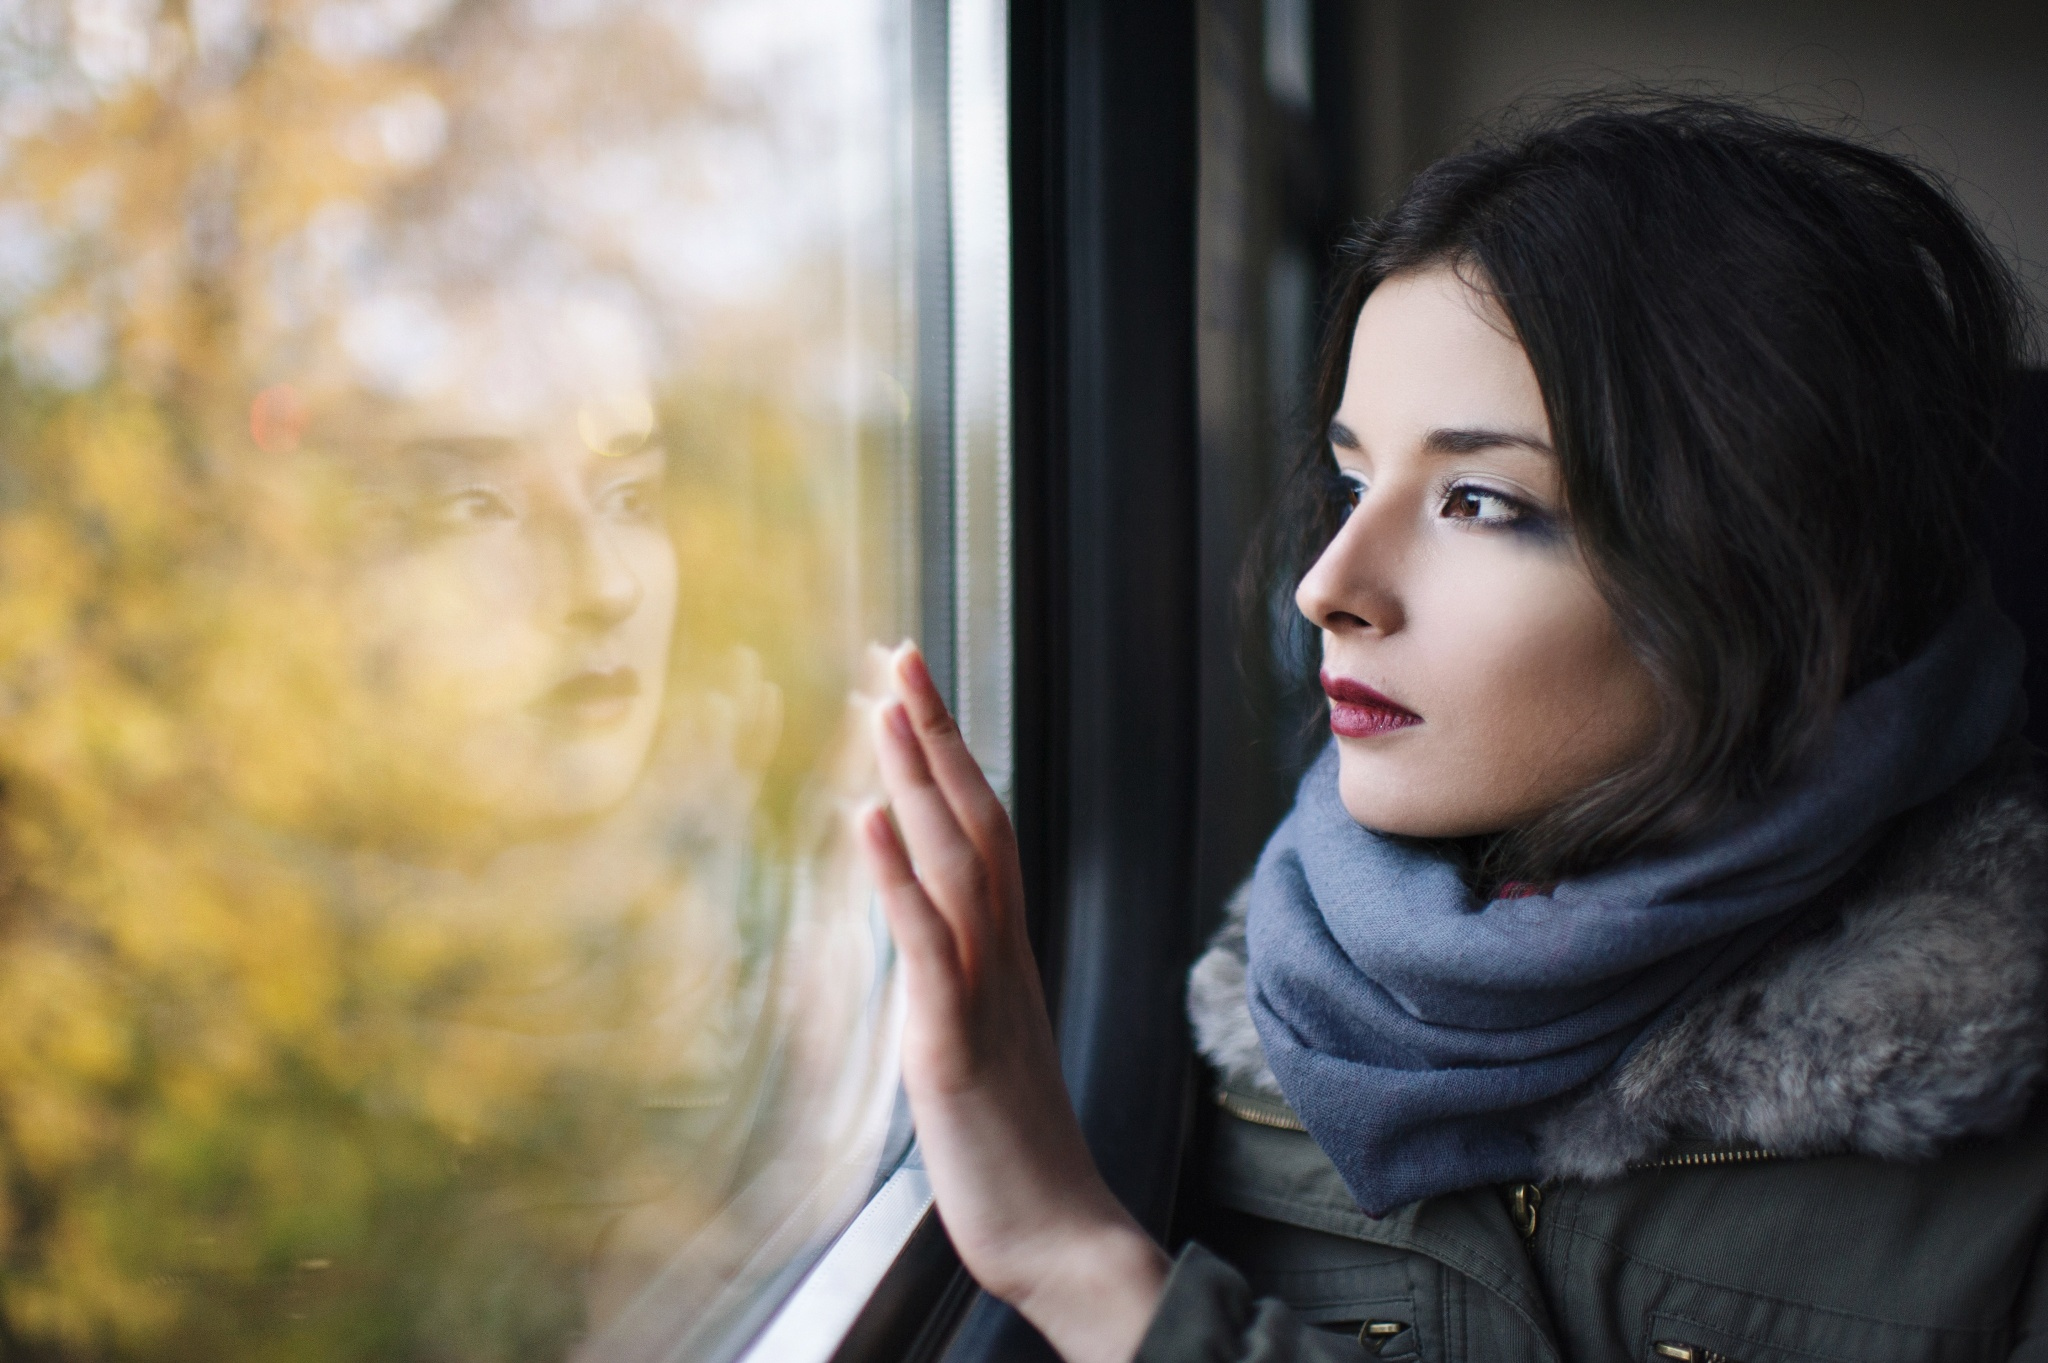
514 618
1477 678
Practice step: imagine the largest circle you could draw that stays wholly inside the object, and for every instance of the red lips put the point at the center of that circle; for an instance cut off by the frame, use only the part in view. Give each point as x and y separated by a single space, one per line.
1358 711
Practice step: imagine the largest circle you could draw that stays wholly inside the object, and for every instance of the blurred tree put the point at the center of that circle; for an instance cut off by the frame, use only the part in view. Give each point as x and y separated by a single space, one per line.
319 1045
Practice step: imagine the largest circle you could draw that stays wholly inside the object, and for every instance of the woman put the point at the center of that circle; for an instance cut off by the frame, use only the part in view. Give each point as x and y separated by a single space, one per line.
1653 965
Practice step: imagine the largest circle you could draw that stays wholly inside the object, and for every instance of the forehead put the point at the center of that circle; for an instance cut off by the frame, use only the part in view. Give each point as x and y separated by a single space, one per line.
1430 351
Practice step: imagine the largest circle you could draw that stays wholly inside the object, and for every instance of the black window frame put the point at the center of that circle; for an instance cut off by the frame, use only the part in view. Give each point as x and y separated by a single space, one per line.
1105 536
1122 634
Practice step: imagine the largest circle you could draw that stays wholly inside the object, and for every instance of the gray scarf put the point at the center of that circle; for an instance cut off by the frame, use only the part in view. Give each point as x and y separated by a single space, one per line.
1418 1032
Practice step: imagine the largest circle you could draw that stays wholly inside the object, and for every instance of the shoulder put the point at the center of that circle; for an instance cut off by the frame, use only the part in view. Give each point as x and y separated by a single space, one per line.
1905 1012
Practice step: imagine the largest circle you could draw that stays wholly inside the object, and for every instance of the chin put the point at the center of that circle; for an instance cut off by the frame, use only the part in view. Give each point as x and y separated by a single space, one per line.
1376 802
1386 798
584 785
531 786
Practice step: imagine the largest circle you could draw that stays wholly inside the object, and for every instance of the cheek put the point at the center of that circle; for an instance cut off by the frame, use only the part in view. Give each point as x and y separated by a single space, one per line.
1529 692
1539 686
455 627
653 562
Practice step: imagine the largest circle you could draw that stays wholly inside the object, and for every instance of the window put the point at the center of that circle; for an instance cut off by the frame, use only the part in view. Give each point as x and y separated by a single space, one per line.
456 456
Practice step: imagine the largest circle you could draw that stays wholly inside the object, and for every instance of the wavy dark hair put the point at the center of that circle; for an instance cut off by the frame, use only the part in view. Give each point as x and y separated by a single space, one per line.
1775 362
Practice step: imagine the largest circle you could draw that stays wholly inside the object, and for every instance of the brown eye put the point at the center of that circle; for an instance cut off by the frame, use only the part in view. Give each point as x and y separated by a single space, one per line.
1466 502
1349 490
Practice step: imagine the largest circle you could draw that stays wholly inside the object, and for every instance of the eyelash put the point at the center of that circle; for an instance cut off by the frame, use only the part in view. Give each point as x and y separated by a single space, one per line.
1346 488
492 503
1519 511
633 497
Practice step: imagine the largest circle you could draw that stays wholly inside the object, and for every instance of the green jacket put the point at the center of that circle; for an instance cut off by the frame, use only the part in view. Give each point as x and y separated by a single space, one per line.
1833 1158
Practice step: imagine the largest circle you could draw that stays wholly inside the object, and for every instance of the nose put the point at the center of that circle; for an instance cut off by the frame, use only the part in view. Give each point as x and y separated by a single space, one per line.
603 589
1352 589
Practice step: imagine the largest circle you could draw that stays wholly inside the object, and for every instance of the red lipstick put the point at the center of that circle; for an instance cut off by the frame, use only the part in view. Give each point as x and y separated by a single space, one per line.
1358 711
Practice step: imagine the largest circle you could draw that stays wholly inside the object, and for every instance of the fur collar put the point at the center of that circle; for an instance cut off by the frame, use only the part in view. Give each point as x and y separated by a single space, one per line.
1907 1008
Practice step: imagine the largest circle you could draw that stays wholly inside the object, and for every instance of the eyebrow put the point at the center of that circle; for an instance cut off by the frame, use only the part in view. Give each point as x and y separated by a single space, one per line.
1460 441
468 451
1453 440
458 451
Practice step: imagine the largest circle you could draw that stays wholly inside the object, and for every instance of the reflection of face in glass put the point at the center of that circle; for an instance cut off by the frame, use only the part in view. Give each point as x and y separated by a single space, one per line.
515 616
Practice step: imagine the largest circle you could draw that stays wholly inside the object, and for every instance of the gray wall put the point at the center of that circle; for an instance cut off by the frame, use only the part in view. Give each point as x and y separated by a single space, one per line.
1962 87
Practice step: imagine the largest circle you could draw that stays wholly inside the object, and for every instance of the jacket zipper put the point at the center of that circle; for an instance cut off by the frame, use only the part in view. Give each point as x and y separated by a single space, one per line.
1257 1115
1286 1121
1706 1157
1687 1353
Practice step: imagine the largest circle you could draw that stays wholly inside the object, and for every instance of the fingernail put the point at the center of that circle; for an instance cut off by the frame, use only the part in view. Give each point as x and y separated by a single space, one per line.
914 668
898 720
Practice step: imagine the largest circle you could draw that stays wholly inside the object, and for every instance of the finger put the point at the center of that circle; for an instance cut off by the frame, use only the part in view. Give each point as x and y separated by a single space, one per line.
953 766
947 862
922 936
920 930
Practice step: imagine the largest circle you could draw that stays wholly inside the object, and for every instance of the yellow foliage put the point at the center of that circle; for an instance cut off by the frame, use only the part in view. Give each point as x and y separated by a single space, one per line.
357 999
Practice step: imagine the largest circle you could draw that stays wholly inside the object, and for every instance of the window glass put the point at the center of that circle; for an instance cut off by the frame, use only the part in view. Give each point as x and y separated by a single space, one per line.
453 454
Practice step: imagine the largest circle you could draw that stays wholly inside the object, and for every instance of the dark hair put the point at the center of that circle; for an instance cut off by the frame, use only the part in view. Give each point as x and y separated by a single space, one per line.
1774 362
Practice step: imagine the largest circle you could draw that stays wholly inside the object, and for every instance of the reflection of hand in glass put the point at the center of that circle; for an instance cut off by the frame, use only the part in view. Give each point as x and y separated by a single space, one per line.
519 609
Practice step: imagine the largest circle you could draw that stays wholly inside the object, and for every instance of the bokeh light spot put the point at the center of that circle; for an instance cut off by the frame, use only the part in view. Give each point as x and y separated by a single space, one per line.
277 419
616 426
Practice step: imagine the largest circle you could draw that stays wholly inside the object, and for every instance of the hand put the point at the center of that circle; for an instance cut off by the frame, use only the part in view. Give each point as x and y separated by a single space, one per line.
1018 1192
